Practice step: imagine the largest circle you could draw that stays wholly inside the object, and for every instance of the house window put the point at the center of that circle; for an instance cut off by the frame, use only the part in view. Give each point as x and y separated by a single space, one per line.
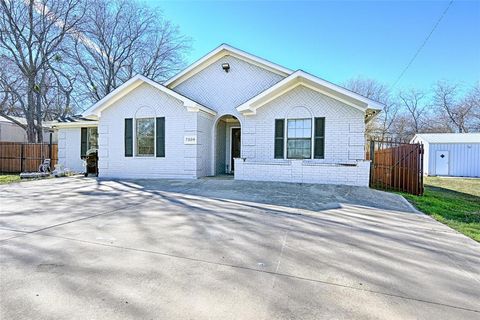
145 137
89 140
299 138
92 138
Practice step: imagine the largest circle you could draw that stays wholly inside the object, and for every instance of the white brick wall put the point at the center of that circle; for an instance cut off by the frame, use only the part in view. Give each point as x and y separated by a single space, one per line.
180 161
303 171
344 142
69 149
344 126
204 148
222 91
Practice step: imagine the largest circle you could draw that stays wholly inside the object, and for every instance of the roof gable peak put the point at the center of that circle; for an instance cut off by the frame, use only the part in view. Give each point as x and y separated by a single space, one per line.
303 78
219 52
134 82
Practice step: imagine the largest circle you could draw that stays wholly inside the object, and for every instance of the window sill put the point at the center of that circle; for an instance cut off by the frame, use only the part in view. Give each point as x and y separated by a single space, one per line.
146 157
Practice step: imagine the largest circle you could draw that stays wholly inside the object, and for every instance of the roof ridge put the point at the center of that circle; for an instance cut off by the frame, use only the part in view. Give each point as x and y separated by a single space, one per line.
265 63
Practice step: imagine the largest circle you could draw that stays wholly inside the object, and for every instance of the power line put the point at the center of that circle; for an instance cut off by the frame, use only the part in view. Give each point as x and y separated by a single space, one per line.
423 44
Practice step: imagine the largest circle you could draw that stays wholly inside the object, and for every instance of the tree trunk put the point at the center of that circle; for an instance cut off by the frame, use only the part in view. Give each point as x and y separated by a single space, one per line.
30 115
38 114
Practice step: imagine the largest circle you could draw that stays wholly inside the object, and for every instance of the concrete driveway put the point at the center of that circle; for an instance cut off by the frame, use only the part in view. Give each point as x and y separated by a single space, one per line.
78 248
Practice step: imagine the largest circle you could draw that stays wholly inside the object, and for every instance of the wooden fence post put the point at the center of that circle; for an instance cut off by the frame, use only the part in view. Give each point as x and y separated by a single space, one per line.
372 158
50 147
22 155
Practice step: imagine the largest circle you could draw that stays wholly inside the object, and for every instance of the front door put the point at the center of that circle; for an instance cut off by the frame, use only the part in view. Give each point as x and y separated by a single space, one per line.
441 163
235 152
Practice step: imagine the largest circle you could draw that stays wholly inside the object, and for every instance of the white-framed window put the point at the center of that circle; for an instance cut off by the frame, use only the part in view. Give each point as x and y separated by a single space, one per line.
299 138
145 137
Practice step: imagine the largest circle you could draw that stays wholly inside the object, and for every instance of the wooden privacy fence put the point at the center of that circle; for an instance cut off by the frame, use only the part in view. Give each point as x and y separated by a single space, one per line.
396 166
26 157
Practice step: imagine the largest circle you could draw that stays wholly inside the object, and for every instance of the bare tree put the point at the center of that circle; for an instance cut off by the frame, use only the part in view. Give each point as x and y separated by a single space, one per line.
401 128
125 38
11 104
469 109
474 98
368 88
32 33
8 102
459 113
59 97
412 100
372 89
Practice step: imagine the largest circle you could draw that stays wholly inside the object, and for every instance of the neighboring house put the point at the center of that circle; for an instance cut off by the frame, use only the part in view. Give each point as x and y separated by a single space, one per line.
12 132
229 112
450 154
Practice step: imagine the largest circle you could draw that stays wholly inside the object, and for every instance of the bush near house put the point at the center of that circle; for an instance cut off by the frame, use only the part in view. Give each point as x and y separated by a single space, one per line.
452 201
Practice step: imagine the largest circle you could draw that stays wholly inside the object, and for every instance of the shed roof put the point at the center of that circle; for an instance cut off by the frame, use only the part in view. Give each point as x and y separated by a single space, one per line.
448 137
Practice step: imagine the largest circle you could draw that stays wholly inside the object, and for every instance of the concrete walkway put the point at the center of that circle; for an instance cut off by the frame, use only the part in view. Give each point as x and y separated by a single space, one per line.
78 248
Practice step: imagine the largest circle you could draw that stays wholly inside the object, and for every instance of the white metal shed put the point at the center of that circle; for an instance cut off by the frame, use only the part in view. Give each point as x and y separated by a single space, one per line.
450 154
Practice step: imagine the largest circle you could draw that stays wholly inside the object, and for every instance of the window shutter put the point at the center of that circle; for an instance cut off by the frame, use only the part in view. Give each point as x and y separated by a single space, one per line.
128 137
319 138
279 138
160 137
83 142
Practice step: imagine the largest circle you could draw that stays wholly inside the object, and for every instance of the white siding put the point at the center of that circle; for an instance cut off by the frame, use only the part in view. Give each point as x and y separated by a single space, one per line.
426 159
12 133
464 158
69 149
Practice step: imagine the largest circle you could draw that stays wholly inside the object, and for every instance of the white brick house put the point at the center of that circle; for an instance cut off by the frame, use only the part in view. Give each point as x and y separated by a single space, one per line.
229 112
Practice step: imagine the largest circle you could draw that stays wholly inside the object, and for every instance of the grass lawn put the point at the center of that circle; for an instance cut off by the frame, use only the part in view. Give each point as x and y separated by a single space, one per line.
9 178
452 201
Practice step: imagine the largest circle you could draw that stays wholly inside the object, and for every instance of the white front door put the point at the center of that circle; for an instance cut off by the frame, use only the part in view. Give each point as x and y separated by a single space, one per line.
441 163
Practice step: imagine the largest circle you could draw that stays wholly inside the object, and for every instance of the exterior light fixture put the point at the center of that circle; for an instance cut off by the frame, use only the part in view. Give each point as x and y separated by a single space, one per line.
226 67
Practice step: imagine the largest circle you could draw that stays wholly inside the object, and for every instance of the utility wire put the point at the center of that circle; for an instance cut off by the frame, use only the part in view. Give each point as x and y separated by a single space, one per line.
423 44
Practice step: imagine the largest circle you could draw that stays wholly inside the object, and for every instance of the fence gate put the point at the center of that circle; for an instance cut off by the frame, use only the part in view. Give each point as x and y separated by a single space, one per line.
396 166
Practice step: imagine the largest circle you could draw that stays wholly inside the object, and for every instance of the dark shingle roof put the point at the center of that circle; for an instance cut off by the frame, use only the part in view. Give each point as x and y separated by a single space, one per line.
75 118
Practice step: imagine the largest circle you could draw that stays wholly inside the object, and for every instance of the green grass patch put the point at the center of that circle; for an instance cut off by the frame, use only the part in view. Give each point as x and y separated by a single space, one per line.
452 201
9 178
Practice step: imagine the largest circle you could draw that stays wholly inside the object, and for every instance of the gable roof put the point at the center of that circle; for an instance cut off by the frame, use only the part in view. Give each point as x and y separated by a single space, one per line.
219 52
329 89
124 89
74 121
448 137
